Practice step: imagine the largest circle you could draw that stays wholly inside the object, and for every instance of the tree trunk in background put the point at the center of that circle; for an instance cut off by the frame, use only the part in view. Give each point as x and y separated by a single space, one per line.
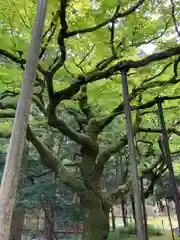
124 212
133 206
11 173
113 220
49 222
144 209
50 210
17 225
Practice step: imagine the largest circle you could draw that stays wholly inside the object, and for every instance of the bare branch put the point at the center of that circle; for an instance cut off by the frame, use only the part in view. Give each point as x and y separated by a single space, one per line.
62 34
83 103
158 74
174 18
136 44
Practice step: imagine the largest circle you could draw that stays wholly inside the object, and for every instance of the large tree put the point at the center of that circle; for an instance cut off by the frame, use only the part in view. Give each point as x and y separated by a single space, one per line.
85 46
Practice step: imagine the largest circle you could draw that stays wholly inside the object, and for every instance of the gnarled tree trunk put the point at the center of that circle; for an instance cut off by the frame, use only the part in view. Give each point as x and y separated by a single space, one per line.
95 216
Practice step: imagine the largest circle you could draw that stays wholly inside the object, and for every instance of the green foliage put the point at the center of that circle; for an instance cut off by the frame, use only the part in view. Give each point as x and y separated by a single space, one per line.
131 231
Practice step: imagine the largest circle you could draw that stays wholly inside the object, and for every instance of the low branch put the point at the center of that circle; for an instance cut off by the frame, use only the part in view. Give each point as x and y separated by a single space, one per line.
121 190
19 61
79 138
7 114
12 103
47 158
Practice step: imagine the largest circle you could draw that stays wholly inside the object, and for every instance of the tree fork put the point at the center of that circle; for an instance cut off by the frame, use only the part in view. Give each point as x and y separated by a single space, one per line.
132 156
14 158
168 159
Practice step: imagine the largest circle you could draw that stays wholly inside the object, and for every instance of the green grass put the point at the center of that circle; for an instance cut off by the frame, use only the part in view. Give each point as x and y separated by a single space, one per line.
130 230
128 233
158 221
166 236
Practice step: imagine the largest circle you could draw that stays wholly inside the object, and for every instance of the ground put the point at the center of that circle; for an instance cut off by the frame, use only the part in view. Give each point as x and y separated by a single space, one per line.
167 236
163 221
159 222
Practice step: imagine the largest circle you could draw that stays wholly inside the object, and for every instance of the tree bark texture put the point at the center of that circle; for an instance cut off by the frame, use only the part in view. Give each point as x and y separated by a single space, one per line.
124 212
49 222
96 218
17 225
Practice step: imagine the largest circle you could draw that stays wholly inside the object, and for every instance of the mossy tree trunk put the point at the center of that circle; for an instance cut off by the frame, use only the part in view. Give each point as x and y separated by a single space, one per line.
96 217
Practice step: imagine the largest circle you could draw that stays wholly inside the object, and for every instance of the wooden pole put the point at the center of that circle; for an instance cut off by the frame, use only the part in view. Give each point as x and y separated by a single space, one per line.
11 172
144 209
132 157
168 210
168 159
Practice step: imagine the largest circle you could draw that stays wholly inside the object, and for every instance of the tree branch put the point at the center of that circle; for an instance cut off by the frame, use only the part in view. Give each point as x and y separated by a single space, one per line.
121 66
115 17
79 138
158 130
62 34
51 162
83 103
19 61
135 92
7 114
174 18
47 158
106 154
121 190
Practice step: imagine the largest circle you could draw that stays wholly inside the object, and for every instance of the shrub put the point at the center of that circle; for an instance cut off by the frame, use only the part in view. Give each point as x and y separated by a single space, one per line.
131 231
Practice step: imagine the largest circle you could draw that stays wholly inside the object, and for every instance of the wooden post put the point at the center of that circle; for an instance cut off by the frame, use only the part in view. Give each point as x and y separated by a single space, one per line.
168 159
132 156
12 167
